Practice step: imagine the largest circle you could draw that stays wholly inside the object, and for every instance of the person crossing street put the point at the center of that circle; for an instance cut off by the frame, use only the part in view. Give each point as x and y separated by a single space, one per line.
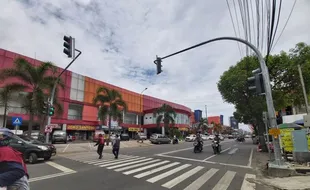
116 146
100 144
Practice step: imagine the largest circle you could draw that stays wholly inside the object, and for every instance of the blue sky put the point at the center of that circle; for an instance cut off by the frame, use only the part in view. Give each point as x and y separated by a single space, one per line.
121 38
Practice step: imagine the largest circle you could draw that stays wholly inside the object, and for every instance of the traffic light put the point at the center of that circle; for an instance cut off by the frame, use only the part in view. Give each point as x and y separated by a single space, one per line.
256 82
45 107
51 111
158 64
68 46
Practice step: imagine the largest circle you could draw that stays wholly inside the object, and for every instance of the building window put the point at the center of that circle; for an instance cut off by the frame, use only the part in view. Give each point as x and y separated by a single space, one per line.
130 118
75 112
77 87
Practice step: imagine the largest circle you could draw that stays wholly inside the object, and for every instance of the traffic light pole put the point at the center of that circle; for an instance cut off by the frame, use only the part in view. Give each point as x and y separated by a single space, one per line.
268 92
49 118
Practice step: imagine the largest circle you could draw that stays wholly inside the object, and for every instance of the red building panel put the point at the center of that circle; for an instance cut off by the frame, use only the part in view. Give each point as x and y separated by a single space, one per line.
214 119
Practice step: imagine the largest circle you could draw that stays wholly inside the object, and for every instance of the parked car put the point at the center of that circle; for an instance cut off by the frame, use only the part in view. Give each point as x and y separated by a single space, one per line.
190 138
36 135
59 136
221 137
37 142
31 152
230 136
211 137
141 136
160 139
204 137
124 137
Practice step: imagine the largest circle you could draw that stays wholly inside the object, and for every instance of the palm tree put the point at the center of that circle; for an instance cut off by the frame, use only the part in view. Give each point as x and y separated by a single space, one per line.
111 104
203 124
166 114
37 79
6 97
217 128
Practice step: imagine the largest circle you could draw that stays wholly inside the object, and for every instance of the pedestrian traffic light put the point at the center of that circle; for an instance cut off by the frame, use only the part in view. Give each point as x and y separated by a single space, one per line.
45 107
51 111
158 64
68 46
256 82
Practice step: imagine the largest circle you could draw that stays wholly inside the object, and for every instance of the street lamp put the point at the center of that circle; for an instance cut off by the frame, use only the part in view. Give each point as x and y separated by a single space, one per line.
141 114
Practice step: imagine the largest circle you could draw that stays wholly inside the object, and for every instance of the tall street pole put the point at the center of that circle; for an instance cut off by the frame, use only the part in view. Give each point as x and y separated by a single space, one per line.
141 109
268 92
49 118
303 88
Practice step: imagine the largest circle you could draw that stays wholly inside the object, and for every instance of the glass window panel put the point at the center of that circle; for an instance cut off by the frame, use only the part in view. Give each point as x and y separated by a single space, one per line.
80 95
81 84
73 94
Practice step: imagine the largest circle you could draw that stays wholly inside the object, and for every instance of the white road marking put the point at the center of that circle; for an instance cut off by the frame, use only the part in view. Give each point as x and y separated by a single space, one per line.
145 167
135 165
182 177
50 176
64 150
112 159
233 151
216 154
208 162
250 159
156 170
168 173
119 162
246 185
129 163
225 181
201 180
59 167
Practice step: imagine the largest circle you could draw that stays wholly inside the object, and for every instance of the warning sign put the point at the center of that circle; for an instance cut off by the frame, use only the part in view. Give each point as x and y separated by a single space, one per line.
48 128
274 132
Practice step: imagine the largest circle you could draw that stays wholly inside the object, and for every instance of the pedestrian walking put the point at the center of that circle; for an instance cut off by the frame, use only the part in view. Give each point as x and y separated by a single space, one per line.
116 146
100 144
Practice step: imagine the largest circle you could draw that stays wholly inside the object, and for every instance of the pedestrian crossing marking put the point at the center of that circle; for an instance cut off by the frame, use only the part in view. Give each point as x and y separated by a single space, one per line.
225 181
144 168
182 177
201 180
168 173
136 165
158 170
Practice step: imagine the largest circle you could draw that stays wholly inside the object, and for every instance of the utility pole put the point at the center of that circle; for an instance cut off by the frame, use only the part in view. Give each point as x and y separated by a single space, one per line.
69 50
303 88
266 83
141 110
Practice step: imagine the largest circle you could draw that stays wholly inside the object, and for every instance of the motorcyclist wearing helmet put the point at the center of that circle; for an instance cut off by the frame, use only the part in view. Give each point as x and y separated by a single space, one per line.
13 171
217 138
199 139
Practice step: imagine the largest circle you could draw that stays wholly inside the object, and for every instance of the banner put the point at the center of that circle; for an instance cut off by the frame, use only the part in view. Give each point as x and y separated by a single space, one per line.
133 129
81 127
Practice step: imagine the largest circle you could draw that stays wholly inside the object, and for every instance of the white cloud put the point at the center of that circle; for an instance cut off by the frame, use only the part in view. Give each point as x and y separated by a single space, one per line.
120 39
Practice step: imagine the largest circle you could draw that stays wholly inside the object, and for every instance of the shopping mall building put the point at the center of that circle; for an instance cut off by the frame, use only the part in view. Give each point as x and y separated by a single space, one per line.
79 117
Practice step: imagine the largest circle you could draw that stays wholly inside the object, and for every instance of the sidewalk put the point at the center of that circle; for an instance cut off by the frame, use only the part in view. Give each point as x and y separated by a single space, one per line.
260 160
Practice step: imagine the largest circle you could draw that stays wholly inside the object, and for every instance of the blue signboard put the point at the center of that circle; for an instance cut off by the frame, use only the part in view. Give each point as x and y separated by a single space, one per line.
17 121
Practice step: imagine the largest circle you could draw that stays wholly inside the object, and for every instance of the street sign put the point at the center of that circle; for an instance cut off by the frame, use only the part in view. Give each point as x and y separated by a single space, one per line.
274 132
17 121
48 128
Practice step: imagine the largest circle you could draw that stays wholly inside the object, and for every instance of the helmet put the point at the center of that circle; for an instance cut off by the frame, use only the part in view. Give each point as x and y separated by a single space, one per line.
5 135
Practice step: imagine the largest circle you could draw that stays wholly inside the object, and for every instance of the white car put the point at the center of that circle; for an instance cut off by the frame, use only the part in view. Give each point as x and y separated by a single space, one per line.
190 138
211 137
204 137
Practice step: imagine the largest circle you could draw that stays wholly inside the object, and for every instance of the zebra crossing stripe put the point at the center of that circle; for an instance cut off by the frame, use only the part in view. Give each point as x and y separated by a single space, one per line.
119 162
156 170
201 180
225 181
182 177
129 163
136 165
145 167
246 185
168 173
113 160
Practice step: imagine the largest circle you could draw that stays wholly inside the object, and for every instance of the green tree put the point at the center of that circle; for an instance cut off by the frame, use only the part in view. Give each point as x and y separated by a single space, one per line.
166 114
6 97
203 124
38 80
110 104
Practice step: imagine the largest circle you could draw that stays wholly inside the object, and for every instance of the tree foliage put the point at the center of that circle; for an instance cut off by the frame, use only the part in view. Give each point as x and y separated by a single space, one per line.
166 114
111 104
38 81
285 83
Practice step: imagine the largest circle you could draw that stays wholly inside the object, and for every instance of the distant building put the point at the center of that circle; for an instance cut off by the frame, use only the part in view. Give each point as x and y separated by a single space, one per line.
222 119
214 119
198 115
233 123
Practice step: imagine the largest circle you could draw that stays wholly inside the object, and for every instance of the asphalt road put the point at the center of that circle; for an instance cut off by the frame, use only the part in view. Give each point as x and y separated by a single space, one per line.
154 168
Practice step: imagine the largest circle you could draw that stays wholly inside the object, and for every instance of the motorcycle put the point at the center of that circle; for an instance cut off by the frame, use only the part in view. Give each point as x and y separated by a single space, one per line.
175 141
240 139
216 147
198 147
